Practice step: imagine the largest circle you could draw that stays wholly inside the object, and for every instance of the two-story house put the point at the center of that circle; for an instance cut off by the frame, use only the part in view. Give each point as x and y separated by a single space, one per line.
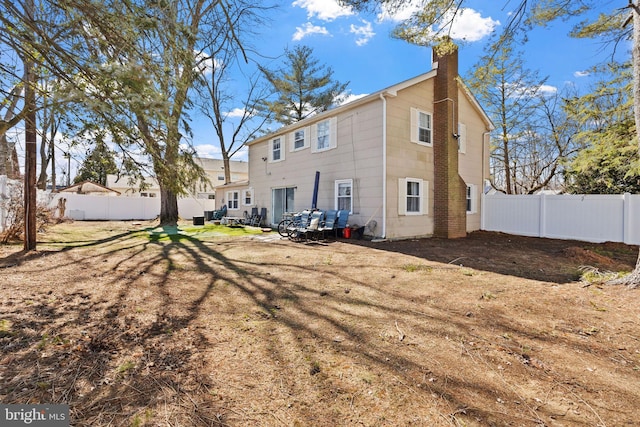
407 161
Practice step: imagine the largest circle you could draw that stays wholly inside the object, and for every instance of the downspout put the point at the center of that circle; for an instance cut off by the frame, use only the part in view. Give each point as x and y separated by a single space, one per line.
482 194
384 166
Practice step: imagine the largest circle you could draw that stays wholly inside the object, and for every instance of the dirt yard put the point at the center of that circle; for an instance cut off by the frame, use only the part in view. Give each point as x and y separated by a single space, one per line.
131 326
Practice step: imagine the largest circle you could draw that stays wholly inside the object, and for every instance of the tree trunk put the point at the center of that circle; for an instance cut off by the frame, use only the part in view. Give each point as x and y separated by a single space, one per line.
44 162
633 280
168 207
227 168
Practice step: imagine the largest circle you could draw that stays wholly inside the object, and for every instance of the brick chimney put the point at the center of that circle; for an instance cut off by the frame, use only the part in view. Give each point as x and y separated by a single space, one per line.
450 191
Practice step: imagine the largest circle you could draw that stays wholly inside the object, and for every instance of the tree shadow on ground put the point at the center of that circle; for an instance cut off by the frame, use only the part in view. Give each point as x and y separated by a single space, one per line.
127 340
550 260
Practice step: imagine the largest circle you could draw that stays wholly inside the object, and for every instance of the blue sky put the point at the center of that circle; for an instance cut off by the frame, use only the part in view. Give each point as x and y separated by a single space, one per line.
360 50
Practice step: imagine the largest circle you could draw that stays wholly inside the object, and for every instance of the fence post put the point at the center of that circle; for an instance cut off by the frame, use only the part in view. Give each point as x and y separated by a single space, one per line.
626 218
483 209
542 221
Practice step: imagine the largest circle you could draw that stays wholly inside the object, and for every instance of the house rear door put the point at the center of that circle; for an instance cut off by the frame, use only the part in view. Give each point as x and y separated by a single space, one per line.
282 201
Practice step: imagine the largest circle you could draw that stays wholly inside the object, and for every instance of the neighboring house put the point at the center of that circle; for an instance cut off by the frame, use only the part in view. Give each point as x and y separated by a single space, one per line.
89 188
407 161
214 168
128 186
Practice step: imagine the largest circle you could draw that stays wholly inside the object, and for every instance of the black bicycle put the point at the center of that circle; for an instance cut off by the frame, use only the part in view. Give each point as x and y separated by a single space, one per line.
285 223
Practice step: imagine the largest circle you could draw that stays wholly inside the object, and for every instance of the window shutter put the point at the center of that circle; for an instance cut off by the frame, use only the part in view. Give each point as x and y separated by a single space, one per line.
424 194
313 136
414 125
462 137
402 196
333 132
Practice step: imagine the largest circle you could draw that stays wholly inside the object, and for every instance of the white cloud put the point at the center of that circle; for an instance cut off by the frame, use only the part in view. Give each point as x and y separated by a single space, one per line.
208 150
581 74
236 112
548 89
307 29
363 32
206 63
349 97
401 13
469 25
326 10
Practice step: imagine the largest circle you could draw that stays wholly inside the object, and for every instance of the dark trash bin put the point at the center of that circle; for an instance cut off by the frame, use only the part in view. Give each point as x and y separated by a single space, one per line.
198 220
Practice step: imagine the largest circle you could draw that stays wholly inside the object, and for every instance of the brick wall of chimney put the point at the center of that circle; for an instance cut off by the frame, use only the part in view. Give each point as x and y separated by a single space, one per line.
450 220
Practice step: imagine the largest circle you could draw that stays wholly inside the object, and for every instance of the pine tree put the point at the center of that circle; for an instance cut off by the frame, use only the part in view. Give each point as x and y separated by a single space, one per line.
97 165
303 88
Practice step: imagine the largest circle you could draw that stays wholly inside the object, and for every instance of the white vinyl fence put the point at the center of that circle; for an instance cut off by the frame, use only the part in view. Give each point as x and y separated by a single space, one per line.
86 207
591 218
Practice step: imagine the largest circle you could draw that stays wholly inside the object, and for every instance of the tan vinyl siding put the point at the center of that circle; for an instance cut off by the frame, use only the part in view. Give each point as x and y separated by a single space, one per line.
470 164
407 159
357 156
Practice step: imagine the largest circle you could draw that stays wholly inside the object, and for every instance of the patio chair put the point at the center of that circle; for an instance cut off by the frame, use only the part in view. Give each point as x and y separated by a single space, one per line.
256 219
300 221
263 216
220 213
341 223
329 223
311 231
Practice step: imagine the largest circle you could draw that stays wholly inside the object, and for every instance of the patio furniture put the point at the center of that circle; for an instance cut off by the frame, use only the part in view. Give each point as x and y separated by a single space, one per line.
220 213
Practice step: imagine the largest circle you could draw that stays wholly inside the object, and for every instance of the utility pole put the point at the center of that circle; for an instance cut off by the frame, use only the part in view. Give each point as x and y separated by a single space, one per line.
30 149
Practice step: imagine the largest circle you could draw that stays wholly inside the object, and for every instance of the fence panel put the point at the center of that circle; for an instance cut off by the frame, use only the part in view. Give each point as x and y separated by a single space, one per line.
591 218
512 214
86 207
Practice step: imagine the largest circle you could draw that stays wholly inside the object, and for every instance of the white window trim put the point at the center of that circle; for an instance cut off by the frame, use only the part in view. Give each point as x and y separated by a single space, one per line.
283 145
333 135
245 192
415 120
307 139
462 138
423 188
335 192
472 190
233 195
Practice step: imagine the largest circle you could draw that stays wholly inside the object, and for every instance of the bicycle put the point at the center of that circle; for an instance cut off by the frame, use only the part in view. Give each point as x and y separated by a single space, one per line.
285 223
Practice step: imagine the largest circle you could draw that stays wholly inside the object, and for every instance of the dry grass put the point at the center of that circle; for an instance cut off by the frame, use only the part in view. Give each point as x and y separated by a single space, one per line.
132 328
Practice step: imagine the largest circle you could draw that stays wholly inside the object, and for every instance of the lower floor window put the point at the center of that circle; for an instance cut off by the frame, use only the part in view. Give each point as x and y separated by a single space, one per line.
411 196
343 193
471 199
232 199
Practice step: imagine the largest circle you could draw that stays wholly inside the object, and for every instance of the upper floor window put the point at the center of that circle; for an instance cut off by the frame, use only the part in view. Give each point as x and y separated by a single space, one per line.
421 127
344 195
324 135
299 139
277 152
412 195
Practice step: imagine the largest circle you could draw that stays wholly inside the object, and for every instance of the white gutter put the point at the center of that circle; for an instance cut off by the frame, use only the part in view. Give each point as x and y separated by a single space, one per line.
384 160
384 166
